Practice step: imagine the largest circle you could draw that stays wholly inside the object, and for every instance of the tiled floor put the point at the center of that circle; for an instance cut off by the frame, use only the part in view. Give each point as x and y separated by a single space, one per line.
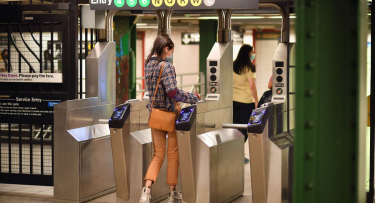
33 194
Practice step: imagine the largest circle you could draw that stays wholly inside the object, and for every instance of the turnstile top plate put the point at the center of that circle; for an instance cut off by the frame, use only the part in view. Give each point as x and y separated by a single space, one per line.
143 136
221 136
90 132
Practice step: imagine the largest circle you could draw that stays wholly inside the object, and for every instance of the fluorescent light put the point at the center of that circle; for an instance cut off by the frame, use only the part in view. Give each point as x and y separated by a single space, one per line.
142 24
247 17
206 17
279 17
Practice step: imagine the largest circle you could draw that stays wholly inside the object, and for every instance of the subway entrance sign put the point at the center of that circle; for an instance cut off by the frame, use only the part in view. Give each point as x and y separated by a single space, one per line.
172 4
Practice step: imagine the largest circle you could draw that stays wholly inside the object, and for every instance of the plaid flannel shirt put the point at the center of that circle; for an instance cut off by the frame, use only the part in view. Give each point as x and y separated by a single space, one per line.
167 93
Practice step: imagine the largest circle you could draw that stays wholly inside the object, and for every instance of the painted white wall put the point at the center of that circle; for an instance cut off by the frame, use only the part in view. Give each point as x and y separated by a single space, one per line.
185 57
139 67
265 50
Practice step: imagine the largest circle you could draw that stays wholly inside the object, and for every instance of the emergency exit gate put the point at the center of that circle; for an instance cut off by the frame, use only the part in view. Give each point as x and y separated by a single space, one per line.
37 44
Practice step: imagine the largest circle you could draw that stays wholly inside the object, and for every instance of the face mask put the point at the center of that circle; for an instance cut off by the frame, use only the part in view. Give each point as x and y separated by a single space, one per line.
169 59
252 57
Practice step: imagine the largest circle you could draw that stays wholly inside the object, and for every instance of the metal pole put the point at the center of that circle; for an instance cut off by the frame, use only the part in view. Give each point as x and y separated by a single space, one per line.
80 59
285 23
52 68
40 47
164 21
370 196
9 39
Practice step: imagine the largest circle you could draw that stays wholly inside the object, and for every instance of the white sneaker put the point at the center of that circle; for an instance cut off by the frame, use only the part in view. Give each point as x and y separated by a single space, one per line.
174 197
146 195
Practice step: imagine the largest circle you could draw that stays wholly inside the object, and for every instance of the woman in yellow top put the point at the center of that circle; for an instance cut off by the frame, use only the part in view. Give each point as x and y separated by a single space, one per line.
245 98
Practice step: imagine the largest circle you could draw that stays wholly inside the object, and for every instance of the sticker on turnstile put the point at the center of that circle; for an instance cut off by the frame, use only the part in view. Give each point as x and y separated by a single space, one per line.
213 89
279 91
213 83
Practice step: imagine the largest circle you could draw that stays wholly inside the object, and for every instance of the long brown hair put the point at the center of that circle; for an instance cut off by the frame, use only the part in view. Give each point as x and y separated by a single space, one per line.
160 43
242 64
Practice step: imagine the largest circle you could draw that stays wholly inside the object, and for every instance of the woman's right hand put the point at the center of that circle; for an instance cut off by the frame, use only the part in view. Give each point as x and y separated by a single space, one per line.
198 95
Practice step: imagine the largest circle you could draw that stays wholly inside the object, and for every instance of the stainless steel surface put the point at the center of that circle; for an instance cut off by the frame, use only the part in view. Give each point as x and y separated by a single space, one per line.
82 117
281 55
285 25
235 126
89 132
82 150
120 143
164 21
210 125
138 115
96 166
78 103
109 25
270 158
103 121
187 157
206 161
141 153
101 71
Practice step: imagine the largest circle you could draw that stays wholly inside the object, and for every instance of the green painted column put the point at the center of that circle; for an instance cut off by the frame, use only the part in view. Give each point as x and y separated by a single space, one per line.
132 59
208 37
330 101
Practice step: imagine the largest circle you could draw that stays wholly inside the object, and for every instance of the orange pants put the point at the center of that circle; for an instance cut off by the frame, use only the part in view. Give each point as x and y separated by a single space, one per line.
159 141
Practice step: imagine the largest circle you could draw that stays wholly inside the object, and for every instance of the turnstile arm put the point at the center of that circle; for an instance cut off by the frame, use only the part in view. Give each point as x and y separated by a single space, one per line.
235 126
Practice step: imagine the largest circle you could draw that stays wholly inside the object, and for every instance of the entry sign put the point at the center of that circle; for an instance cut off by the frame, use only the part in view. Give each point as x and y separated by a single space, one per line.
172 4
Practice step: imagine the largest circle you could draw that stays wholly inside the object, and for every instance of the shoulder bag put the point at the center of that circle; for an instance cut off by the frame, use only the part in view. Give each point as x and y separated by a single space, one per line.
161 119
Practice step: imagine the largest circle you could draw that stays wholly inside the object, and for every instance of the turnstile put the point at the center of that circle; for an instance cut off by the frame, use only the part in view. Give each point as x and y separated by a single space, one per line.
119 123
270 146
211 164
132 154
83 167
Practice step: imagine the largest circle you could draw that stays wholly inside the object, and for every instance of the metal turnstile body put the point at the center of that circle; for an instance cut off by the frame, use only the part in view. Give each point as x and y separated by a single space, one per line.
211 164
119 124
217 108
132 153
270 146
81 143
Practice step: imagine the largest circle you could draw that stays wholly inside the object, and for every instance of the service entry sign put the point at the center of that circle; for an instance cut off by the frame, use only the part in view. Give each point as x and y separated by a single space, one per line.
27 108
31 77
172 4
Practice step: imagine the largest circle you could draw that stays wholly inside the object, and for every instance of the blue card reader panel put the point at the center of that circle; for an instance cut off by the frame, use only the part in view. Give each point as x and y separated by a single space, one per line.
186 118
258 120
119 116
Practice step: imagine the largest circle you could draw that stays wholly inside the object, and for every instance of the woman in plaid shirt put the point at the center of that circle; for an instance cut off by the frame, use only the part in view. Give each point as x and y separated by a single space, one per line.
167 98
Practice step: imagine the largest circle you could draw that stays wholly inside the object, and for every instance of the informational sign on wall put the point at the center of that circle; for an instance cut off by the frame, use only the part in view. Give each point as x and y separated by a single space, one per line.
237 38
31 77
190 38
27 108
172 4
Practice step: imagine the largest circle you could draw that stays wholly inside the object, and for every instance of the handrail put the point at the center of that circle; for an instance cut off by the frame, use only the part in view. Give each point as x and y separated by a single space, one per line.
177 75
200 82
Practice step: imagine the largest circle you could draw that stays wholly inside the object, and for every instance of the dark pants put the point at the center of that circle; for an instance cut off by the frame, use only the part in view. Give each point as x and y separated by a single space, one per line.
241 114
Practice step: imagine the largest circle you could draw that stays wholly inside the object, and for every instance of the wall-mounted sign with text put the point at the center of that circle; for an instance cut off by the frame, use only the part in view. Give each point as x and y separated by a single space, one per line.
31 77
190 38
27 108
172 4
